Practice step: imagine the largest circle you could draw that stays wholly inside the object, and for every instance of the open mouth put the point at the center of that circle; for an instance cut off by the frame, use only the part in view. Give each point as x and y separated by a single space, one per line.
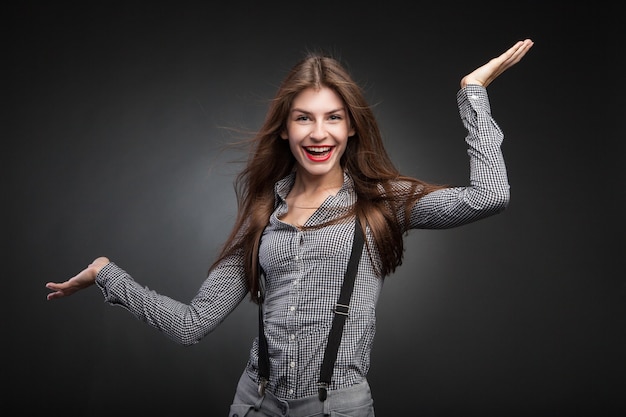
318 153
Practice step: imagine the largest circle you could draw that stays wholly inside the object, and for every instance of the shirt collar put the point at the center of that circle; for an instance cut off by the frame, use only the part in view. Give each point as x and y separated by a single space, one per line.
283 186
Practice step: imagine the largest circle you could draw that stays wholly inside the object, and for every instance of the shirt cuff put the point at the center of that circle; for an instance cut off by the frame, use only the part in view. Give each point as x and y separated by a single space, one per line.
106 279
473 99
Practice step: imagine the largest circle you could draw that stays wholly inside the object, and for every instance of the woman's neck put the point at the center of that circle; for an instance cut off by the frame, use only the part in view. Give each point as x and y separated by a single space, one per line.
312 187
308 194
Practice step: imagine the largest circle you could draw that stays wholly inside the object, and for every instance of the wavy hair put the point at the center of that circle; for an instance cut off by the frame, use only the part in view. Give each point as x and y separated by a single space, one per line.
376 179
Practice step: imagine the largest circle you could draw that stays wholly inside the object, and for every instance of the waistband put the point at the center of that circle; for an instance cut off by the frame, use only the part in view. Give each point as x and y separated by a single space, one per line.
358 395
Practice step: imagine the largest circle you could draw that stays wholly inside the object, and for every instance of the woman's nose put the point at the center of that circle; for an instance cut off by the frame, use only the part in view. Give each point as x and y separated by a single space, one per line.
318 132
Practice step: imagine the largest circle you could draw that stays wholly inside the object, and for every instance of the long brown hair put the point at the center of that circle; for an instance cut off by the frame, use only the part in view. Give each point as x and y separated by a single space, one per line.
366 160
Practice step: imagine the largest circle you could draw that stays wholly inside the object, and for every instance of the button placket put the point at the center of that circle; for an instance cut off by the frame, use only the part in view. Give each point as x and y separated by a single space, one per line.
292 311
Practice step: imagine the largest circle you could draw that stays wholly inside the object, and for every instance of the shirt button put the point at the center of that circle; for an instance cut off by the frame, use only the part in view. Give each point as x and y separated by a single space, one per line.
290 391
292 337
296 257
474 97
292 364
292 308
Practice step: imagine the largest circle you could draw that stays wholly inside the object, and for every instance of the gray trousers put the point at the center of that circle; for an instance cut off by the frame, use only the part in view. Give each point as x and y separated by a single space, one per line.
355 401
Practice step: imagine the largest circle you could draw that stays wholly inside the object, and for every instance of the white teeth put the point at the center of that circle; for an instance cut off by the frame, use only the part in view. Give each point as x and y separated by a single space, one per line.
318 149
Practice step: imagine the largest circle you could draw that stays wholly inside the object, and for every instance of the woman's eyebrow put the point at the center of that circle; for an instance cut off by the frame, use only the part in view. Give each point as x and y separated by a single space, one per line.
296 109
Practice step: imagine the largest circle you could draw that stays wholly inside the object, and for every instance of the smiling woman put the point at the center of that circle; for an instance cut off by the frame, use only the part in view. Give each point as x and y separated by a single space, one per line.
318 180
317 129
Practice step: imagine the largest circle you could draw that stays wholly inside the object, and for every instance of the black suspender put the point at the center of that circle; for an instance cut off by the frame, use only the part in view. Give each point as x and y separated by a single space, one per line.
341 313
264 356
334 338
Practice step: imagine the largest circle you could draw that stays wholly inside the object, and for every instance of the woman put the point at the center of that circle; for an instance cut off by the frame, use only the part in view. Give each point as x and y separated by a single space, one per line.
316 165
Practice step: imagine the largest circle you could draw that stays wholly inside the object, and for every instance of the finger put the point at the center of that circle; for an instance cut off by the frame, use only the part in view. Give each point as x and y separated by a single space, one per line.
55 295
520 50
56 286
59 289
514 55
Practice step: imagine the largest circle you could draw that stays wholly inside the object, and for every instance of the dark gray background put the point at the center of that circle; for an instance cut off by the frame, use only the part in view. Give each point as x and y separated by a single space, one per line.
113 130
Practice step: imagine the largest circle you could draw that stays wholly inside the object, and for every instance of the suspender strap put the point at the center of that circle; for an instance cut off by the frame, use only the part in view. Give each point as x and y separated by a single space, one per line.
342 309
264 356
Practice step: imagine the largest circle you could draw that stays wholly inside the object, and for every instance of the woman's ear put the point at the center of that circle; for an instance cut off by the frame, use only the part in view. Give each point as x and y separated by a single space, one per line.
351 132
284 135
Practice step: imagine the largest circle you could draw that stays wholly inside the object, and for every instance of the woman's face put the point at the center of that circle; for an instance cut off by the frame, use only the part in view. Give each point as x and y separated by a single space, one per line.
318 128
